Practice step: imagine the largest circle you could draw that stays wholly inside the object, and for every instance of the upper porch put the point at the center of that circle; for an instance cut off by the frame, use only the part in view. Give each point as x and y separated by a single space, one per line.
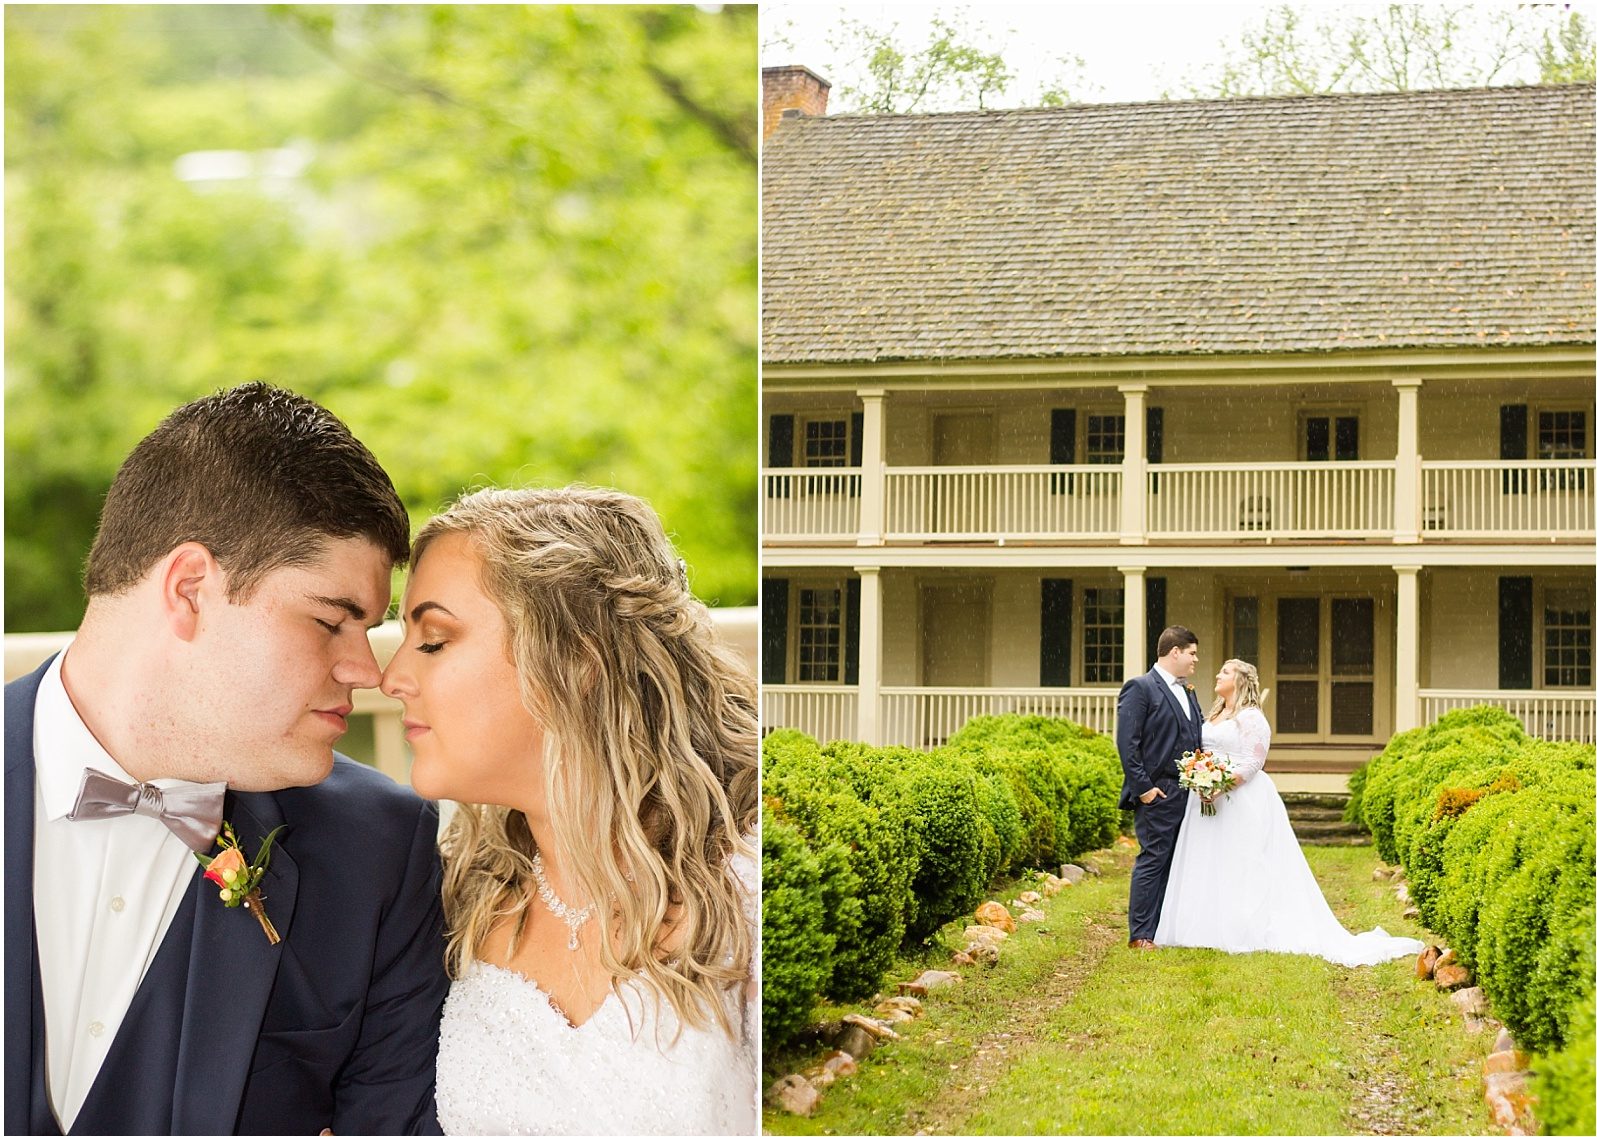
1395 455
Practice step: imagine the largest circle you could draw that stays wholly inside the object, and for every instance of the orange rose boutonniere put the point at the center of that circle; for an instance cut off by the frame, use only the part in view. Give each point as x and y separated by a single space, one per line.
240 880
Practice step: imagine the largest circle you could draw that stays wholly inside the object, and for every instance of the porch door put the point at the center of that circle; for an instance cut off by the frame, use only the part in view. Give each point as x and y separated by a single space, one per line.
1325 694
962 438
956 630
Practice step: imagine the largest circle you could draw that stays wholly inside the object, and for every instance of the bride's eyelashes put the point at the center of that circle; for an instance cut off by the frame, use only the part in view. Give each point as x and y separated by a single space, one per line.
430 648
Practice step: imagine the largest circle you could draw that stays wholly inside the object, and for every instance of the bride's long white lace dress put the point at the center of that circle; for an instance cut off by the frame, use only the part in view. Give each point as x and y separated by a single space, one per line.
1239 881
509 1062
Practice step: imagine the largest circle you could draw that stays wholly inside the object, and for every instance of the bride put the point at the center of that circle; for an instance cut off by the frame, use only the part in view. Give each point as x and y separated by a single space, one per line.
1238 880
559 676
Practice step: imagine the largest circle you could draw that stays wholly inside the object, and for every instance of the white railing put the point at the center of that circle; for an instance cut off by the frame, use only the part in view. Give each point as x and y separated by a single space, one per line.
24 651
810 504
1559 716
973 502
926 716
1488 499
1271 499
824 713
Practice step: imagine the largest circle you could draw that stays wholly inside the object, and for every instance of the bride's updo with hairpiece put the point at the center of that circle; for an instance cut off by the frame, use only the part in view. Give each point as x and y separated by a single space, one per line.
651 743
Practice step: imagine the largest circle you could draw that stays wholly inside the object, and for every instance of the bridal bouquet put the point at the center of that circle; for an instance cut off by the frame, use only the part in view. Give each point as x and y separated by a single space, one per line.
1209 775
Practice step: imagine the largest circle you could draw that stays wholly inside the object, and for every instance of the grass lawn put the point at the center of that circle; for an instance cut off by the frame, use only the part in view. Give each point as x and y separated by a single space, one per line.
1073 1033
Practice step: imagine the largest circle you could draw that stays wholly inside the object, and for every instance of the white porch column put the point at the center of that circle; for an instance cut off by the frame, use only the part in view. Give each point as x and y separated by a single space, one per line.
1406 714
870 654
1136 627
873 469
1134 472
1406 496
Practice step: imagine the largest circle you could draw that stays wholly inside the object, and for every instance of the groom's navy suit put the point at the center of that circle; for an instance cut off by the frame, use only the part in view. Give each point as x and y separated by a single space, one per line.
336 1026
1151 732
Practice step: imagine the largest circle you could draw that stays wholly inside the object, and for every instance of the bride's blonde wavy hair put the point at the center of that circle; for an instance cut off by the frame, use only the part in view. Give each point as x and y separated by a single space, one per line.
651 744
1247 690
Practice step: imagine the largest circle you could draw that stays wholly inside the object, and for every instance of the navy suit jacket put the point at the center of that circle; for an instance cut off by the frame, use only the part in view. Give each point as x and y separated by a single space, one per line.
336 1026
1151 733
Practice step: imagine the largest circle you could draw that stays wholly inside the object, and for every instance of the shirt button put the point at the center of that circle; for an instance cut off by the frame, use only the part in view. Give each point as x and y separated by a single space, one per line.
97 1029
117 904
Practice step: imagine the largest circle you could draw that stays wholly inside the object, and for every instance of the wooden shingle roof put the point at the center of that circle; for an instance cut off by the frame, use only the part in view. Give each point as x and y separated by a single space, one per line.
1422 219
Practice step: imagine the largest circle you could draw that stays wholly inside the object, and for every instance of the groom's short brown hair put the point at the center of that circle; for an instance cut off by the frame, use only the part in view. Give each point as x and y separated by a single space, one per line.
1173 637
256 474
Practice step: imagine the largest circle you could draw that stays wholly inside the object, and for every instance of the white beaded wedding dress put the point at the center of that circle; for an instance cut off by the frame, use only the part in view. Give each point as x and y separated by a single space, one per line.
1239 881
510 1062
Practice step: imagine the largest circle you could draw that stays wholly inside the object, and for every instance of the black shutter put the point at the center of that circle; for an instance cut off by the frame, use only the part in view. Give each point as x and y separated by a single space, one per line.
851 632
1154 592
1062 447
773 630
779 454
1513 427
1056 602
1155 443
1347 439
856 449
1515 626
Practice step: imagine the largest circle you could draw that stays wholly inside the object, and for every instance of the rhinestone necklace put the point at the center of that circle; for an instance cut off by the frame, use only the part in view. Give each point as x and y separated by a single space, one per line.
574 917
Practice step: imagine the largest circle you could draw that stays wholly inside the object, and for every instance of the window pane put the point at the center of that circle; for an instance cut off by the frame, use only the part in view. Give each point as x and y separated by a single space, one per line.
1352 637
1566 640
826 442
1352 708
1297 636
1245 628
1106 439
1317 439
820 635
1347 439
1298 707
1103 638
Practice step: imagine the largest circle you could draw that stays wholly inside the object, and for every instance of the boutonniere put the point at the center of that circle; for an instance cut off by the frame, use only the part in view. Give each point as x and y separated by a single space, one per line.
1191 690
239 879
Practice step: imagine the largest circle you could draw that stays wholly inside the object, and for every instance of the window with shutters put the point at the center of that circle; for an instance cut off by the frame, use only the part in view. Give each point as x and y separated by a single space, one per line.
1103 634
1566 639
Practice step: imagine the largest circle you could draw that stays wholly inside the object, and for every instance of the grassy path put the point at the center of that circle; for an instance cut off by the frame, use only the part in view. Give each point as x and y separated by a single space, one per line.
1073 1033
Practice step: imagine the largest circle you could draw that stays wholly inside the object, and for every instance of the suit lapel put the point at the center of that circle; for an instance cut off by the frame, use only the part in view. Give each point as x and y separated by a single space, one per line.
1175 700
231 972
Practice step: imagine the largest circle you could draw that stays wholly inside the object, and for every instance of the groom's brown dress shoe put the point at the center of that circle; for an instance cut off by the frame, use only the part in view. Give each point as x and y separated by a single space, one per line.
1141 945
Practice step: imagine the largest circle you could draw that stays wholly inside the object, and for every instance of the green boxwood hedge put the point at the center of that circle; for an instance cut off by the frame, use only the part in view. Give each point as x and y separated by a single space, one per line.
871 848
1495 832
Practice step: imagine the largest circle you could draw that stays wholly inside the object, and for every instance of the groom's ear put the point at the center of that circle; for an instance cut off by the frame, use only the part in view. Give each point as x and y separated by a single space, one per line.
190 578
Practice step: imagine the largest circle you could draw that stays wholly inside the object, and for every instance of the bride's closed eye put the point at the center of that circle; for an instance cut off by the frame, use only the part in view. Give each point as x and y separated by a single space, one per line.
429 649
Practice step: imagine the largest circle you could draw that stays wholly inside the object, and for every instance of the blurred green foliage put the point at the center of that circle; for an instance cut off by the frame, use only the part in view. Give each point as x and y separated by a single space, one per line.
507 245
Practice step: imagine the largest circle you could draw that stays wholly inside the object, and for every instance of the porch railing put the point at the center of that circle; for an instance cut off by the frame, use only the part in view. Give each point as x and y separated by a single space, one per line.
1271 499
811 504
1487 499
975 502
1559 716
824 713
926 716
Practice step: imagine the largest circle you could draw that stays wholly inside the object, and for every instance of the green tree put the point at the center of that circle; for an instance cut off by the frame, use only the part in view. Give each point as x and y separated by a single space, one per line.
510 245
874 70
1300 50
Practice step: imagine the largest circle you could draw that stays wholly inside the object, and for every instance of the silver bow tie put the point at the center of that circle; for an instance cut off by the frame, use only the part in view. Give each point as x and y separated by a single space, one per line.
193 811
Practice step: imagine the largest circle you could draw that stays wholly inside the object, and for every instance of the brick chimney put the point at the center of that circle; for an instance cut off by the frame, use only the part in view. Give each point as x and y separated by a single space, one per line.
791 88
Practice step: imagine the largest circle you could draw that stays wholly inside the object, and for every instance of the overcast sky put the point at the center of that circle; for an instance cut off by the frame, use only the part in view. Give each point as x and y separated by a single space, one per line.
1132 52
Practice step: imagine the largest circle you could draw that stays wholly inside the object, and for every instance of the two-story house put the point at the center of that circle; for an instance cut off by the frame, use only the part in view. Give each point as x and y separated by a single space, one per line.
1311 376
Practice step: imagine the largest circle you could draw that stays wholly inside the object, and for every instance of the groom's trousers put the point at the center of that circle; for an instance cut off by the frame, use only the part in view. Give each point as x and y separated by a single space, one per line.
1157 825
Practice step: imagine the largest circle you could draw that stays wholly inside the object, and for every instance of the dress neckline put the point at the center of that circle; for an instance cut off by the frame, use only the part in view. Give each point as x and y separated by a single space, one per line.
548 999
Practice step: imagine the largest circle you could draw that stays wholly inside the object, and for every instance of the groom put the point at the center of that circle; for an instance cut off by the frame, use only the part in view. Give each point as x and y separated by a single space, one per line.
1157 718
243 551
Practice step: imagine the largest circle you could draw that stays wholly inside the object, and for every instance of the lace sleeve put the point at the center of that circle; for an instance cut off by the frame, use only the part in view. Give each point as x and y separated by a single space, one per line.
1255 733
746 871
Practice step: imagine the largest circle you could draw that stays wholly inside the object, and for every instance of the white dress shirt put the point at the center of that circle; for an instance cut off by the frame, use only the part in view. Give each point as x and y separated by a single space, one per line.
104 893
1179 686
